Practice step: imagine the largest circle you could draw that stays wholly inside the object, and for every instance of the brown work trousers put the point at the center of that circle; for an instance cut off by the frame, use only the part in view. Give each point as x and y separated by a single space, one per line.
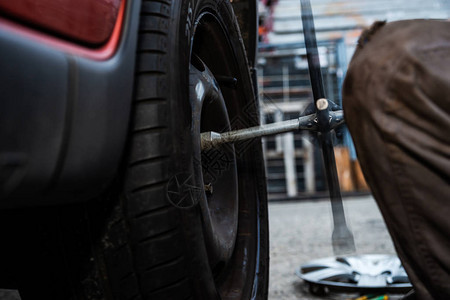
396 99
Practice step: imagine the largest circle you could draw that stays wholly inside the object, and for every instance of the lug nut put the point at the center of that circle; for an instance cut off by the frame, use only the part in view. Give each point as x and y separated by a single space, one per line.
208 188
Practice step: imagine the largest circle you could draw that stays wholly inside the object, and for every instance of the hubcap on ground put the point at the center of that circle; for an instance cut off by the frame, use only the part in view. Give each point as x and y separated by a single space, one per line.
376 273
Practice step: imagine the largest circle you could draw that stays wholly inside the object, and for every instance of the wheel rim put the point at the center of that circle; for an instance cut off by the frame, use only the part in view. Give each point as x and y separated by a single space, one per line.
219 203
230 233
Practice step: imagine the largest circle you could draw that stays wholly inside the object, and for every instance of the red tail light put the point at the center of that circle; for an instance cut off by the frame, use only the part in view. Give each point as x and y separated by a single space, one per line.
95 25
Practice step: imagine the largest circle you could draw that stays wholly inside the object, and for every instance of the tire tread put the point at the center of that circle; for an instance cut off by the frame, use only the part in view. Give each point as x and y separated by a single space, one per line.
153 226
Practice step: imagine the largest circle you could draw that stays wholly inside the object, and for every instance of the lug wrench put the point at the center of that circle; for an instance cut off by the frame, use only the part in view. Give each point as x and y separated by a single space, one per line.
213 139
322 122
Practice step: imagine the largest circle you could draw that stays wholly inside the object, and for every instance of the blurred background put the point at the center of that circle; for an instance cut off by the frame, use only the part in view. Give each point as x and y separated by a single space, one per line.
299 210
294 166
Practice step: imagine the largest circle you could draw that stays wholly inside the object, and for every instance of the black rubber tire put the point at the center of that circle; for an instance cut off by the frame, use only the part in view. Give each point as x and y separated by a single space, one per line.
174 263
133 243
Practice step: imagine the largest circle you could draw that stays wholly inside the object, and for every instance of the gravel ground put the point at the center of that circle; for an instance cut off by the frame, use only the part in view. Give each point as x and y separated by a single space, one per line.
301 232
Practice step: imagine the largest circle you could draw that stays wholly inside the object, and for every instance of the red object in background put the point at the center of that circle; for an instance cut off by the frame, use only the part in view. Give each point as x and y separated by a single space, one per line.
266 19
87 21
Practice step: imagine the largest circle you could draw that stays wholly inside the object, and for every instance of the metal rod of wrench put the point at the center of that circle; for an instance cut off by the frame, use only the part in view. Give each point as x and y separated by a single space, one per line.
213 139
342 238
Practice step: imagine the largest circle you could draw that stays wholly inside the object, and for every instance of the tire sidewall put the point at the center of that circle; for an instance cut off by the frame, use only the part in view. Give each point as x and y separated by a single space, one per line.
184 157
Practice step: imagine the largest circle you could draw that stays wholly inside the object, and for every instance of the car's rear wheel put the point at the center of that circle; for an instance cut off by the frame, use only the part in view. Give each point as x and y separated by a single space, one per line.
187 223
212 243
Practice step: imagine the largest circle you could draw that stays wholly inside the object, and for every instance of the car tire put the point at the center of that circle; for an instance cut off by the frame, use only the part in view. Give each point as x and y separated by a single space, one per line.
156 233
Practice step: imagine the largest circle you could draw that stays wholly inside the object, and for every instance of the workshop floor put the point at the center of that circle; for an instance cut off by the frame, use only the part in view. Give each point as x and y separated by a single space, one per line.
301 231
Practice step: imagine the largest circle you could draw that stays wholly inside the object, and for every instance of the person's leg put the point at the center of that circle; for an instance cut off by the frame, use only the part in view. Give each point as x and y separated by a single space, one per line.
397 107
